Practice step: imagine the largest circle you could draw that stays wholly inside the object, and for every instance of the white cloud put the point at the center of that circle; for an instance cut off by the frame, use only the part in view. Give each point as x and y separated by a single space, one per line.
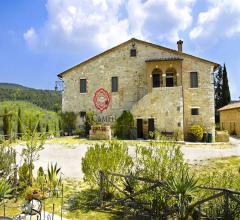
78 25
220 20
160 19
31 37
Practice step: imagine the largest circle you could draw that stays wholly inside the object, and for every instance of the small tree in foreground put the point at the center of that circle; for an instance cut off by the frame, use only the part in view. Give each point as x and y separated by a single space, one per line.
30 154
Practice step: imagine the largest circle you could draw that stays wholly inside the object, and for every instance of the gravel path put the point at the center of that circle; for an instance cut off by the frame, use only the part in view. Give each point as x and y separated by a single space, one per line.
69 159
196 154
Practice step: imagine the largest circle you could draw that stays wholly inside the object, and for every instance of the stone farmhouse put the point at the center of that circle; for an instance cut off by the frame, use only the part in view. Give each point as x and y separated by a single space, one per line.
165 89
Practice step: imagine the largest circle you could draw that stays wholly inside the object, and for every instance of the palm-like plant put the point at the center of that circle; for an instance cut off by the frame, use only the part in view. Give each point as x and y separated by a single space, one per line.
5 190
183 186
53 177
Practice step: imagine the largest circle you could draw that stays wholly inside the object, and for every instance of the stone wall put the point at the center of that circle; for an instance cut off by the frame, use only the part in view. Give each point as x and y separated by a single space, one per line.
201 97
165 105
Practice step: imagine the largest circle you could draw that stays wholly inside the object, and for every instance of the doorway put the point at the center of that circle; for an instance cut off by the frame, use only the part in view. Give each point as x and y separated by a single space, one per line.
139 128
151 126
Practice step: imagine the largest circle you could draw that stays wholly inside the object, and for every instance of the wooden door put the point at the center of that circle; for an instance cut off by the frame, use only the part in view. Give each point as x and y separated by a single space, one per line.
139 128
151 127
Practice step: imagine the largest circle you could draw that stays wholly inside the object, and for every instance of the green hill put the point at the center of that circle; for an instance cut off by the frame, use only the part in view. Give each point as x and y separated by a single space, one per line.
12 86
47 99
31 114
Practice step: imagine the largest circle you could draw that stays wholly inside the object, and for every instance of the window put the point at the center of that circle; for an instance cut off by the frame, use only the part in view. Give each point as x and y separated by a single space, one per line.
83 85
156 80
169 80
171 77
195 111
133 52
193 79
114 84
179 124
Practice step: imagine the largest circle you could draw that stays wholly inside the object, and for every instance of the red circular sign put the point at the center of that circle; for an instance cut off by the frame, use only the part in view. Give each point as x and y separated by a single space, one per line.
101 99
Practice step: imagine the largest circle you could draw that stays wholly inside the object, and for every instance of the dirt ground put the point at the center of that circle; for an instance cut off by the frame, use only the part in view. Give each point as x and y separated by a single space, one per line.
69 158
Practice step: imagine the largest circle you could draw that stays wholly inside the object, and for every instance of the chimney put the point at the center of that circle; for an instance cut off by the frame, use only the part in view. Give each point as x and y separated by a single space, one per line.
180 45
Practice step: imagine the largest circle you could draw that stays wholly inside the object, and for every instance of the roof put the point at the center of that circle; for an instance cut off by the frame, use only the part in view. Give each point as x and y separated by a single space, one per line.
139 41
164 59
230 106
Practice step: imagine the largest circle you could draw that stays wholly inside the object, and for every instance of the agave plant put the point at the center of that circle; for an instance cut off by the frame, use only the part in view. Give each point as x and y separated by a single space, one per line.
183 186
5 190
53 177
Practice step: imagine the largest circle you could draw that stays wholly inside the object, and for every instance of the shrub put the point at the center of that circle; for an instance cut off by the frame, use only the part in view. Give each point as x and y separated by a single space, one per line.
33 193
69 122
80 132
197 132
89 122
161 160
124 125
7 159
107 158
24 175
5 190
53 178
41 177
184 187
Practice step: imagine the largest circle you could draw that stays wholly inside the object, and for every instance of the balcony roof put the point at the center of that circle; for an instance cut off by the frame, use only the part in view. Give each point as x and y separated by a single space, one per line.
164 59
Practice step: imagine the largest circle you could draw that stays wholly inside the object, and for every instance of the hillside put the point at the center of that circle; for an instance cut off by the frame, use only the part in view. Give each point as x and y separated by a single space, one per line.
47 99
30 115
12 86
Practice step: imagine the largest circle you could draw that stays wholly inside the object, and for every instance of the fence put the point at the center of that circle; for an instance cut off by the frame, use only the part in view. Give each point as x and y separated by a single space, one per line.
220 203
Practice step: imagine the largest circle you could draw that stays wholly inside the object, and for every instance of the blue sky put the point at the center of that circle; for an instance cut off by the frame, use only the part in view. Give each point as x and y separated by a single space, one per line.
40 38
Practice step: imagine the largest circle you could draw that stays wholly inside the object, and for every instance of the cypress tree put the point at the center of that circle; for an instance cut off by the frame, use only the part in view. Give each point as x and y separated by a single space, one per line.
7 124
218 88
38 127
226 97
222 92
30 125
47 128
19 124
60 126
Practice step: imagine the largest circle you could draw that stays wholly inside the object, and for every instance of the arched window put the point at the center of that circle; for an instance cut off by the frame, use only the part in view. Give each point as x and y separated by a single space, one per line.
171 77
156 78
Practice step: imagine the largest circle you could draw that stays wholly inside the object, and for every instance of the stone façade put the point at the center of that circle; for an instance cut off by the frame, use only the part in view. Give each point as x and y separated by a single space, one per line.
170 107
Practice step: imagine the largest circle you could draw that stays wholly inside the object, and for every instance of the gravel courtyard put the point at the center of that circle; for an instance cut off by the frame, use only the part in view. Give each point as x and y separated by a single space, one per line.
69 158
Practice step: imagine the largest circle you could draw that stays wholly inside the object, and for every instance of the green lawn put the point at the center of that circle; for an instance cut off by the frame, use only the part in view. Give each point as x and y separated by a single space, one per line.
71 140
68 141
220 164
